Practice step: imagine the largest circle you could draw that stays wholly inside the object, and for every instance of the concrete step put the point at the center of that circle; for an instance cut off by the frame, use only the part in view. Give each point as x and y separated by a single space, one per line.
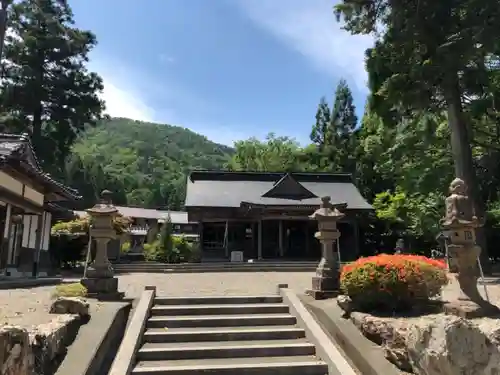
299 365
209 300
234 349
231 309
220 320
178 335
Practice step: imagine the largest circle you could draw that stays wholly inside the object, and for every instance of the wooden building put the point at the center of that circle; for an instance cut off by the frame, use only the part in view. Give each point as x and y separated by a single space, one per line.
145 226
266 215
28 202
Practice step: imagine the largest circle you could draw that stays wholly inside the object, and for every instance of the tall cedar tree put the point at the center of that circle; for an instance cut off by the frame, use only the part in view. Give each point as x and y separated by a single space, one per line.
423 50
166 244
47 90
343 124
320 128
332 132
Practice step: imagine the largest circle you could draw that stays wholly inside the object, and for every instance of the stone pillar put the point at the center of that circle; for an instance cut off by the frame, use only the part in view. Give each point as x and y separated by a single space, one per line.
325 284
459 225
99 279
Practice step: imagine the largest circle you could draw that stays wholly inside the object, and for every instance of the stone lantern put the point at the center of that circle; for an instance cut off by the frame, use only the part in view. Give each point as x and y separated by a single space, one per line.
99 279
459 226
325 283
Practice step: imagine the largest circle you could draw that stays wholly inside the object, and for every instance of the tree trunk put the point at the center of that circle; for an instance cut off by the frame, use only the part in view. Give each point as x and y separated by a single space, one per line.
3 23
462 156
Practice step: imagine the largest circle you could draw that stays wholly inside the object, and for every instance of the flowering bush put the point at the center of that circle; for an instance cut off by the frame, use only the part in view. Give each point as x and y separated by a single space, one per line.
392 282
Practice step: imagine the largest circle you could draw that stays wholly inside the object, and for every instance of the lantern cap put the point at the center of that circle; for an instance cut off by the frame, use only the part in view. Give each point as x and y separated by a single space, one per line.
327 211
104 206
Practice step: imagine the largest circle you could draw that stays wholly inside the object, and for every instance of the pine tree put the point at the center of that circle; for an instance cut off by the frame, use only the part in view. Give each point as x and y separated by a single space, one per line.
343 122
46 89
166 245
320 128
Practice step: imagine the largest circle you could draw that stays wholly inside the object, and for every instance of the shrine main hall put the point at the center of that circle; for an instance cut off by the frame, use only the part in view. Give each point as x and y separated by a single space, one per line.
266 215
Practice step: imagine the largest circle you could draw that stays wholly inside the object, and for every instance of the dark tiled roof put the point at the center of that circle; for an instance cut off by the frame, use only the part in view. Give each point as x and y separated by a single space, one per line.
18 148
232 189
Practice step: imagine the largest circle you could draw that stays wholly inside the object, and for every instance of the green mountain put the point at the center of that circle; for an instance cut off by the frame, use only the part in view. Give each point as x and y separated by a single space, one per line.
144 164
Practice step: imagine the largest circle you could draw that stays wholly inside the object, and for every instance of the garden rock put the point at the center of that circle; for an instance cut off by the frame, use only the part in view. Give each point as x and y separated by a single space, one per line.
388 333
15 354
49 341
70 305
346 304
449 345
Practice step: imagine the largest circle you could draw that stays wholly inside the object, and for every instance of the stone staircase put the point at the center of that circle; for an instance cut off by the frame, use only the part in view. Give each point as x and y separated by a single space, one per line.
224 335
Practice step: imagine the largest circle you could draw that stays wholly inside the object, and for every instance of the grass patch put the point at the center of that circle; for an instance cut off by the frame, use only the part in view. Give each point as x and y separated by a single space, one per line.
70 290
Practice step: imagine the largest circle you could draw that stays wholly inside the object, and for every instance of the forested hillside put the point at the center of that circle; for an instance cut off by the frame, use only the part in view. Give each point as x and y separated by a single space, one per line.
143 163
432 114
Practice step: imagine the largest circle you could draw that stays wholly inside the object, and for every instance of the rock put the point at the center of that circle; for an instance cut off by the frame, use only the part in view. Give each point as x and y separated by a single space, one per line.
345 303
70 305
49 341
388 333
16 357
449 345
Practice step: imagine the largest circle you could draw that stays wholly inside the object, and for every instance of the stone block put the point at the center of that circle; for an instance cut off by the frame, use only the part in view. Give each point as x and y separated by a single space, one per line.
70 305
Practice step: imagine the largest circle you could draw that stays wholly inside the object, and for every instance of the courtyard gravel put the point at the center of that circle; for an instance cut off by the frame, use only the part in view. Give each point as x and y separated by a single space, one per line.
29 307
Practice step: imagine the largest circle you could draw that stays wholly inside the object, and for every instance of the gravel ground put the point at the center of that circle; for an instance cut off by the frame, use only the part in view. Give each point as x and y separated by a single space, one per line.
28 307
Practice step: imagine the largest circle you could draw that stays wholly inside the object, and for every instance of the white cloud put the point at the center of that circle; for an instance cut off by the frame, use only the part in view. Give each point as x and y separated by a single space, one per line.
123 102
310 27
122 97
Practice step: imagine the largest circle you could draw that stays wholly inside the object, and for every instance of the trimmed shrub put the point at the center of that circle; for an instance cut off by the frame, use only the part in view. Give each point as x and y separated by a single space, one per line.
70 290
178 251
392 282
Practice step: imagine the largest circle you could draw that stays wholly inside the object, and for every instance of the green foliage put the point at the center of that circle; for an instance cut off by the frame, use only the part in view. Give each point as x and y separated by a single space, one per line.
80 226
125 247
392 282
70 290
274 154
46 86
144 164
181 251
166 242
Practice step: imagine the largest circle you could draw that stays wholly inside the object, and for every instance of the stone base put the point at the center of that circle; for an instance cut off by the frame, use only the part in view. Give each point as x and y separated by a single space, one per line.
102 288
322 294
324 287
325 282
470 310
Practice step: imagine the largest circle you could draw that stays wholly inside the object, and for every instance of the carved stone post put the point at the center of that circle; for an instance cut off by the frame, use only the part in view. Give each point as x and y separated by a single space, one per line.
99 279
325 284
459 227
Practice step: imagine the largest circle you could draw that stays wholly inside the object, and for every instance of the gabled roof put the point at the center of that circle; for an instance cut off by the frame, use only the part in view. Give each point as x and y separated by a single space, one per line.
234 189
289 188
17 152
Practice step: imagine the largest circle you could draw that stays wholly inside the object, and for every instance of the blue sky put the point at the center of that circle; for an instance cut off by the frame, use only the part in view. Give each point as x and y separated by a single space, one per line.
228 69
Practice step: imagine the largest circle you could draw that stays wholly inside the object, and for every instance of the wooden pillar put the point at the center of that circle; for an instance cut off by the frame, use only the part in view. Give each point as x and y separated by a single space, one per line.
259 240
200 237
38 245
226 240
306 234
4 243
280 239
356 238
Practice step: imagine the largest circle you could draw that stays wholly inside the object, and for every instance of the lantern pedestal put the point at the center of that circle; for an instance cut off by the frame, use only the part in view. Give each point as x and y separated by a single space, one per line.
326 282
100 281
459 225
